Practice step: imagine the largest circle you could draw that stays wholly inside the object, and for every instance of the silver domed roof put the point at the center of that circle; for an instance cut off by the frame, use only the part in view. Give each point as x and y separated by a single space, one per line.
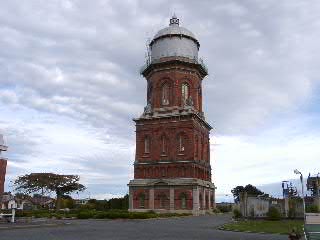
174 41
175 30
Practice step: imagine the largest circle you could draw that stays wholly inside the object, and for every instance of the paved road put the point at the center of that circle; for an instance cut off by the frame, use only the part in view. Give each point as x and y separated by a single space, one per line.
204 227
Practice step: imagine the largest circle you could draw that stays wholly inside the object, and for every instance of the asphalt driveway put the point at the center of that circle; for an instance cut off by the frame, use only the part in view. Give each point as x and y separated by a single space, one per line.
203 227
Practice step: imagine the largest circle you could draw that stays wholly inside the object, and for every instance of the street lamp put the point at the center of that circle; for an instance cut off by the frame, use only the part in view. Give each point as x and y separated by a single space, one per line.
296 171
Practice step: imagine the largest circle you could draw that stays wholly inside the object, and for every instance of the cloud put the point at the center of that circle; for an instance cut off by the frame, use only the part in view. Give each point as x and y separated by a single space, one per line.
69 83
268 157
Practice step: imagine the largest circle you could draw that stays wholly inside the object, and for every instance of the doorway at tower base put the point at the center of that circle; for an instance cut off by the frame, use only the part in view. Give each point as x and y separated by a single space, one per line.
183 195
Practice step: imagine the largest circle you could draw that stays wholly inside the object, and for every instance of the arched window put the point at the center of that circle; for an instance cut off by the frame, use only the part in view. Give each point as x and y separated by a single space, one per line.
184 93
183 172
163 172
163 145
181 143
165 94
141 200
163 200
183 198
147 144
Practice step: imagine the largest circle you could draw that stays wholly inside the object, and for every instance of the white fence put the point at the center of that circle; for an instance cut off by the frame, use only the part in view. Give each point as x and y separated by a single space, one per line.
9 215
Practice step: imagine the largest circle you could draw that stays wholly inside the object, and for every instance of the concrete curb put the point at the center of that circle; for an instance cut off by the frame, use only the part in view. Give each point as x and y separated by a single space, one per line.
236 230
26 226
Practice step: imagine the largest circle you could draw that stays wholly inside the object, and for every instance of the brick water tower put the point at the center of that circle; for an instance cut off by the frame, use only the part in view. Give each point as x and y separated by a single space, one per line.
3 164
172 171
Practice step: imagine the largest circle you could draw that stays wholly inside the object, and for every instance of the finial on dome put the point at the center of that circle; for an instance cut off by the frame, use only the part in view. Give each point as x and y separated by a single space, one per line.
174 20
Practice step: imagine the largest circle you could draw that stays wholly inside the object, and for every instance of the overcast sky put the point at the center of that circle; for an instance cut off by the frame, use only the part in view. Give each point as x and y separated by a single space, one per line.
70 86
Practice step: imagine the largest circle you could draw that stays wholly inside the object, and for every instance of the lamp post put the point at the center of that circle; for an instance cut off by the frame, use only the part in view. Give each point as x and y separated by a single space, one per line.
296 171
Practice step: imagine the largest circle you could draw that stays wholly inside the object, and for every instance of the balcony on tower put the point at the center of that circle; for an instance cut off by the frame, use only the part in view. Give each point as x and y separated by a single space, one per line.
3 146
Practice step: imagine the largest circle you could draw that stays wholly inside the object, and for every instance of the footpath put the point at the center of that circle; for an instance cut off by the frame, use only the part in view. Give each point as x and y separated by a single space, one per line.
31 223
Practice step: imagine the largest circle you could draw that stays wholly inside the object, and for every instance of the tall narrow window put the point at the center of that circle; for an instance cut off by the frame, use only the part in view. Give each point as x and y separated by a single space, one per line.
181 143
146 144
163 172
199 98
196 147
141 200
184 93
200 201
163 200
202 148
163 145
165 94
183 198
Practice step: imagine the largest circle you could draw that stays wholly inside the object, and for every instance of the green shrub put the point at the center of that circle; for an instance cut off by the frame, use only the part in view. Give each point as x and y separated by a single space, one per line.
236 213
292 213
312 209
274 214
216 210
56 215
252 215
142 215
85 214
224 208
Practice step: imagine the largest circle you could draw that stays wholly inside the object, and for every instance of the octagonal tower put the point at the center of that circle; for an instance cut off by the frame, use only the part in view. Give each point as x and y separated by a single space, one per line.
3 164
172 171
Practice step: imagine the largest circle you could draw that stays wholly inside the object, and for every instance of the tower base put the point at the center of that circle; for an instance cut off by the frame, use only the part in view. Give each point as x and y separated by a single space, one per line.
179 195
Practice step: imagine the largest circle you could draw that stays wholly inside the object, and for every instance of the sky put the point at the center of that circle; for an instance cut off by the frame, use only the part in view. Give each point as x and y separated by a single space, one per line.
70 87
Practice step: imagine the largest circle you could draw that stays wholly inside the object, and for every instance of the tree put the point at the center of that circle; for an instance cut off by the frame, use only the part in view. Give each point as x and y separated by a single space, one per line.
49 182
274 214
236 193
250 189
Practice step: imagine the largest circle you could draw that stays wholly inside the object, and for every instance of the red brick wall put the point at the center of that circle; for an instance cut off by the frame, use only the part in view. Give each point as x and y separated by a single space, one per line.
161 195
136 198
196 148
3 166
172 170
175 78
194 132
177 198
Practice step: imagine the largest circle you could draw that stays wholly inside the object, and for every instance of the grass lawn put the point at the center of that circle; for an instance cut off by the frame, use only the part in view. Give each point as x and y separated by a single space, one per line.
282 227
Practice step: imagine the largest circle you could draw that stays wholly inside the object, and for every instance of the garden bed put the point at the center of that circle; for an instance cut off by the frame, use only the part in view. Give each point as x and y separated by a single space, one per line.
265 226
93 214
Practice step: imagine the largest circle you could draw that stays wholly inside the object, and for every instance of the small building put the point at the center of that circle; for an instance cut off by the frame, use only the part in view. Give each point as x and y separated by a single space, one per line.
39 201
313 185
258 206
8 201
25 202
253 206
81 201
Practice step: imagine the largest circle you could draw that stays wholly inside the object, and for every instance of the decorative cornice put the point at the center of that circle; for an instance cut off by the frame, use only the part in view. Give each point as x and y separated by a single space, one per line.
172 62
172 115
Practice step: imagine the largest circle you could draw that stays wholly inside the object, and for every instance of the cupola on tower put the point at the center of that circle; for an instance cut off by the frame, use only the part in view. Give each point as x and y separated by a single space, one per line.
172 171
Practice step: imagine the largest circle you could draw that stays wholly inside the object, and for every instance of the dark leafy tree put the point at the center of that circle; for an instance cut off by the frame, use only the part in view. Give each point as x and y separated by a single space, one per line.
249 189
236 193
49 182
113 203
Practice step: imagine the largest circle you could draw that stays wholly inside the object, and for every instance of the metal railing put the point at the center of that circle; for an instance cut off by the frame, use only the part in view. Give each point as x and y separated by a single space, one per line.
188 59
